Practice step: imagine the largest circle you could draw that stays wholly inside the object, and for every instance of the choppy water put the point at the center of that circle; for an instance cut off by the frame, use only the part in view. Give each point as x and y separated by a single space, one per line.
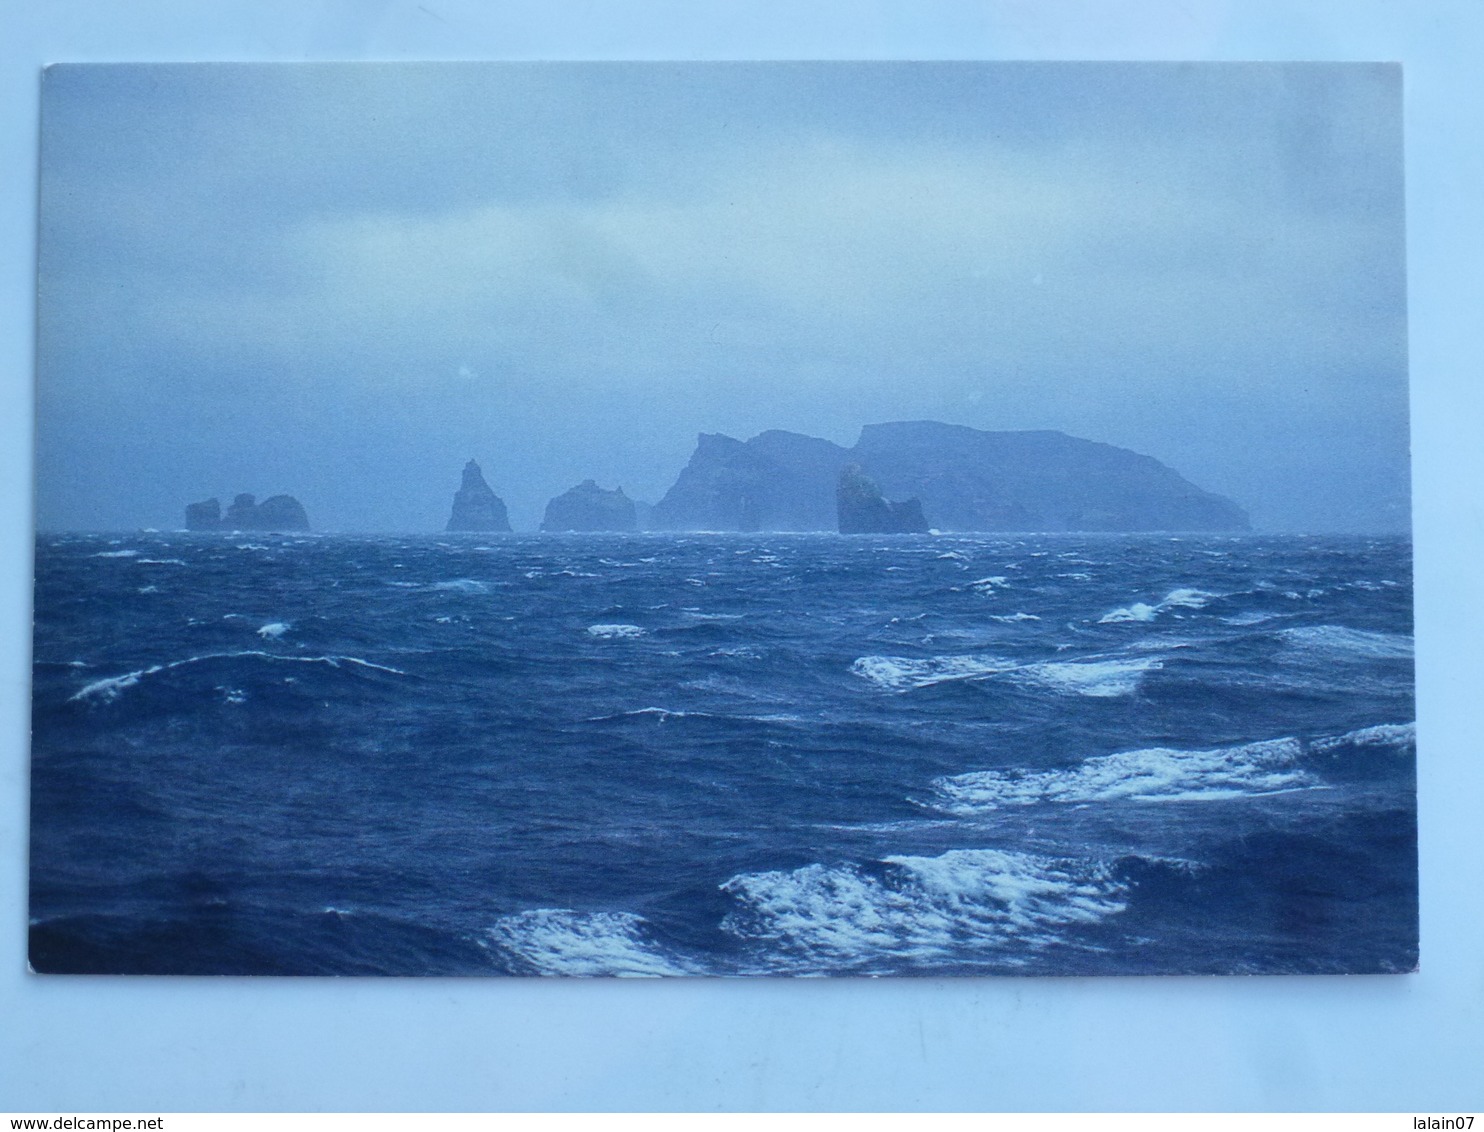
723 754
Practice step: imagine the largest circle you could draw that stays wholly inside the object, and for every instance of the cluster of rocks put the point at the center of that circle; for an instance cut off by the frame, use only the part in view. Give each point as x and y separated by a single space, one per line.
943 477
276 513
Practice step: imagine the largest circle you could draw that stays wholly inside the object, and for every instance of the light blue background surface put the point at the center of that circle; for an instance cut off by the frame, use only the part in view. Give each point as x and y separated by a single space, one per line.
1409 1043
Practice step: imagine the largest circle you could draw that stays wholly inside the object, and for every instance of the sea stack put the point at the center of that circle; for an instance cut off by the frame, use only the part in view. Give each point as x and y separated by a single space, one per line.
205 516
588 507
276 513
861 508
475 505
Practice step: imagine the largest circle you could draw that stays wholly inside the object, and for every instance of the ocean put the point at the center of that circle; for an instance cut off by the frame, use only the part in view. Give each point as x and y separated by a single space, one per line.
723 754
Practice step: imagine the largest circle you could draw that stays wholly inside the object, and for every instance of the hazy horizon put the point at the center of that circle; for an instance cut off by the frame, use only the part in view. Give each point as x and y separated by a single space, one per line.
341 281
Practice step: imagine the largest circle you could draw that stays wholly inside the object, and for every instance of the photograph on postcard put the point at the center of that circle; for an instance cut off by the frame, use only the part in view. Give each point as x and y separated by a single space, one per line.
722 519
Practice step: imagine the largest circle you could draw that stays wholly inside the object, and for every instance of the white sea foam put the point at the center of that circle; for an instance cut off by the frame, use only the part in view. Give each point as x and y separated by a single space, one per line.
1175 599
659 713
1155 774
1012 617
161 562
982 585
108 688
273 630
1402 736
1136 612
1099 678
116 554
1340 641
462 585
614 632
900 673
559 941
922 909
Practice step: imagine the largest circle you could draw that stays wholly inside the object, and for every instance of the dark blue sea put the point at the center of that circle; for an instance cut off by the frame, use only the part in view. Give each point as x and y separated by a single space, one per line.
723 755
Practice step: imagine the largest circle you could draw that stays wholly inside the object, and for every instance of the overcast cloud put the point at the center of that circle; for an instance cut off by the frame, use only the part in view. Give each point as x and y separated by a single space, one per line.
343 281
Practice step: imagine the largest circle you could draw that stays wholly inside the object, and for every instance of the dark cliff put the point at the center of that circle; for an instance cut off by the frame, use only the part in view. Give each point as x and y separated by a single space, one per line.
970 480
475 505
965 479
862 509
777 481
587 507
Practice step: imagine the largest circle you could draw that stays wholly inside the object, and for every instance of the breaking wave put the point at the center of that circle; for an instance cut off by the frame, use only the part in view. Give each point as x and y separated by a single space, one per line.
1156 774
1099 678
1337 640
559 941
919 910
110 687
900 673
1175 599
614 632
1094 677
1402 736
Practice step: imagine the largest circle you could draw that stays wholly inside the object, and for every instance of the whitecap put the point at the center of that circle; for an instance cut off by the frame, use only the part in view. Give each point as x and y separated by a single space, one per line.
1338 640
919 909
273 630
900 673
1014 617
615 632
1099 678
981 585
161 562
116 554
1154 774
1175 599
560 941
1136 612
1402 736
462 585
661 714
108 688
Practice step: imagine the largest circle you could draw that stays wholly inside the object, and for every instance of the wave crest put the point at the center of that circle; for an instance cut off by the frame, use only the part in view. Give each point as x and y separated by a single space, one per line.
1155 774
919 910
560 941
1175 599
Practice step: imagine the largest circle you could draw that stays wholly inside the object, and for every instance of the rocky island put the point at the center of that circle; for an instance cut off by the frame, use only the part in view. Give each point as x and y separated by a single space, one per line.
588 507
966 479
276 513
862 509
476 507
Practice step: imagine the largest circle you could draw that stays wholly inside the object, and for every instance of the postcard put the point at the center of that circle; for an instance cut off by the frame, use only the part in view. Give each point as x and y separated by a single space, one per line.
723 519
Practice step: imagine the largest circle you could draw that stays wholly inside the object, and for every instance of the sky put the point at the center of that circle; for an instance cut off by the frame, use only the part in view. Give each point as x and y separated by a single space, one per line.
343 281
